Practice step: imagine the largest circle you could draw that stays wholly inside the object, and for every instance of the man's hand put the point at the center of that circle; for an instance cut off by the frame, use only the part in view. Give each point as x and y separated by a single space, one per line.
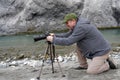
52 34
50 38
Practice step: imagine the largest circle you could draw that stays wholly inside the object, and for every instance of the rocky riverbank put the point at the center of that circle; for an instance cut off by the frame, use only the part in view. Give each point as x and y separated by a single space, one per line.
35 51
24 59
32 51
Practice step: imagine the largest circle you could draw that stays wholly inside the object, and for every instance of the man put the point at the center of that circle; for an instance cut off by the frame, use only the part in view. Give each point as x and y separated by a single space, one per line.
90 44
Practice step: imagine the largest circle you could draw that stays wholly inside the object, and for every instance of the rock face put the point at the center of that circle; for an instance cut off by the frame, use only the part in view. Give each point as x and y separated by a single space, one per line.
102 12
41 15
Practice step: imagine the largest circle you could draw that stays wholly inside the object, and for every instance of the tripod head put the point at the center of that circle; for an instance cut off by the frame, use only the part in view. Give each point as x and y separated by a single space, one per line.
49 42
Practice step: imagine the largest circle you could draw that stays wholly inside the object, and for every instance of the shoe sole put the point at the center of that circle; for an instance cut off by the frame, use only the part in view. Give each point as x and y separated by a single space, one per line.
112 65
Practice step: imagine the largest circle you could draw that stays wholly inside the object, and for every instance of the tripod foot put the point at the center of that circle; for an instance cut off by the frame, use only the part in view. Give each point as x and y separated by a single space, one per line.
38 78
63 75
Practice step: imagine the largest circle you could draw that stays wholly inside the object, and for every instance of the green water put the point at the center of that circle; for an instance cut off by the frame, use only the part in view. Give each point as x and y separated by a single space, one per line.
112 35
19 40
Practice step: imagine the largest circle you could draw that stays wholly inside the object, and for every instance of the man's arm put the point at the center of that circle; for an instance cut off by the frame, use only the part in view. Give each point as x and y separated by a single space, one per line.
77 35
63 35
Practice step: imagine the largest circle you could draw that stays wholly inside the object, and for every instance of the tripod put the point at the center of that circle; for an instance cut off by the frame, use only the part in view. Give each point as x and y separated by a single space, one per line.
50 51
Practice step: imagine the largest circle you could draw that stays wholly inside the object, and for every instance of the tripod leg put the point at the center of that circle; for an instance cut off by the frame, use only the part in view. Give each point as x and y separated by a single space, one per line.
40 72
60 68
51 57
57 60
53 48
38 78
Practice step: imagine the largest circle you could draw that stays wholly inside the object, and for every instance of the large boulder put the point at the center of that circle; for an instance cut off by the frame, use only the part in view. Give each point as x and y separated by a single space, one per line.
43 15
100 12
116 10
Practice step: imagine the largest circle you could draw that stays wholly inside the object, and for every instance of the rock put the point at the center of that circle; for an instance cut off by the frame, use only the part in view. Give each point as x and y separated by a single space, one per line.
116 49
8 60
21 56
14 63
116 10
60 59
3 65
42 15
100 12
35 63
67 58
74 58
33 79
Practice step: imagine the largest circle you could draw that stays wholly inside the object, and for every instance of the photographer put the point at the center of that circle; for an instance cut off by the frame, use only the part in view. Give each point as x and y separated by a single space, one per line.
90 44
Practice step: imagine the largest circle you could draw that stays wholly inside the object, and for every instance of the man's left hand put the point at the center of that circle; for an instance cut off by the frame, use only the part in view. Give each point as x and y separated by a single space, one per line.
50 38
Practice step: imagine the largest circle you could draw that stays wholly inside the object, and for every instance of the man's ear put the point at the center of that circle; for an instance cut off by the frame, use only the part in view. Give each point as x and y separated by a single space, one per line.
66 24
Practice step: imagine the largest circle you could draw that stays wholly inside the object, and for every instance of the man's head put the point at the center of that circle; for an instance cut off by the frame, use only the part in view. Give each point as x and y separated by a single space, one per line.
70 20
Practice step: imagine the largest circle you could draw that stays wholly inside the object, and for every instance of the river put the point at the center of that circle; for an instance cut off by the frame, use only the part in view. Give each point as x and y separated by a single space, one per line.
112 35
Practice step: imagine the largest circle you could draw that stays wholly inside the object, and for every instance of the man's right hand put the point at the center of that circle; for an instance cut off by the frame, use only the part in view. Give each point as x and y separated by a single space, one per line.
52 34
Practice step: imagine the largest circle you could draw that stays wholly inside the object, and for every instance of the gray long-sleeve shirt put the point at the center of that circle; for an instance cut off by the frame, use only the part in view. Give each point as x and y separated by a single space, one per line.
88 39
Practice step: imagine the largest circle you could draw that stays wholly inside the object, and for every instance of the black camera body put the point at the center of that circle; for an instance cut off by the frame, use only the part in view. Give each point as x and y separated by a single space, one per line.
41 37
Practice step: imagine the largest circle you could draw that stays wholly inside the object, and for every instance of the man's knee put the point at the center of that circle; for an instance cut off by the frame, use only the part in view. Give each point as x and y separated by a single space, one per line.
98 69
89 71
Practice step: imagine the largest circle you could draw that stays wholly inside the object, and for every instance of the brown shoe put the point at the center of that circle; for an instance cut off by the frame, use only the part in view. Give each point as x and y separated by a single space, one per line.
111 63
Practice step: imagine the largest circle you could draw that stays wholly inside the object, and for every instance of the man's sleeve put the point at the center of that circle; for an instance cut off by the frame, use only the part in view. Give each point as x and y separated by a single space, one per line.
77 35
63 35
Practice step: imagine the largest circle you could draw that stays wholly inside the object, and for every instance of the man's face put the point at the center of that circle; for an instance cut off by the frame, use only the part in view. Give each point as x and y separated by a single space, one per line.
71 23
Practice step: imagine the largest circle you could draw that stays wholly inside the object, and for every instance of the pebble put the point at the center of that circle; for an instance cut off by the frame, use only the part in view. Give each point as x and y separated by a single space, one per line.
73 58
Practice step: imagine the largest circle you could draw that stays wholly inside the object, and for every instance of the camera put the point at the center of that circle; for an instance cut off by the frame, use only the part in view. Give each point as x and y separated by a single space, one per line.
41 37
